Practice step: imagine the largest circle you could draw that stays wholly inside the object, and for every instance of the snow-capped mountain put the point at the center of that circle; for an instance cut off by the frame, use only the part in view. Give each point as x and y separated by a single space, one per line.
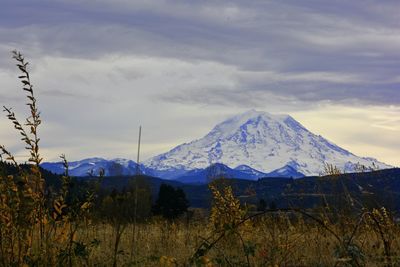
93 166
251 145
124 167
264 142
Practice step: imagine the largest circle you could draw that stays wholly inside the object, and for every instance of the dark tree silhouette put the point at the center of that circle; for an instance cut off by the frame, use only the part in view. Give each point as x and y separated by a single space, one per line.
171 202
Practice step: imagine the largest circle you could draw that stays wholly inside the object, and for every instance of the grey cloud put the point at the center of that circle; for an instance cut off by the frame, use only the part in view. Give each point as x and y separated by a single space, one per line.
76 96
8 99
297 90
59 93
228 97
196 31
284 37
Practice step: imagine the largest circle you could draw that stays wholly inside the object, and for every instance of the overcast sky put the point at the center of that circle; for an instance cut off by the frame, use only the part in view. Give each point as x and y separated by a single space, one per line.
102 68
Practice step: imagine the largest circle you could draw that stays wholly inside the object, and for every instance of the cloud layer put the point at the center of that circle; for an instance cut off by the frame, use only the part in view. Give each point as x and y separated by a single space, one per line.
101 68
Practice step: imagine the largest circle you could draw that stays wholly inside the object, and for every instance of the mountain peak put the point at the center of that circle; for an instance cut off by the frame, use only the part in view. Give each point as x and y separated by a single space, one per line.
245 120
262 141
253 114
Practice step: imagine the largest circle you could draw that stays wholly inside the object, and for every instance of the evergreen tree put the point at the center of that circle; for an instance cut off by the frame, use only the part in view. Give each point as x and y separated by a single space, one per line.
171 202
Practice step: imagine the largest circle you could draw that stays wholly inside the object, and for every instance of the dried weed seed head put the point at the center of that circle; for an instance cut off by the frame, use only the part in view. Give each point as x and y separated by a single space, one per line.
226 211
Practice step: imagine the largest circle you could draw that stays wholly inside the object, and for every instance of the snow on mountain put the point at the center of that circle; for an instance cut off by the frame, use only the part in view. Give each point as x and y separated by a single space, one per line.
250 171
120 167
219 170
286 171
93 166
251 145
263 142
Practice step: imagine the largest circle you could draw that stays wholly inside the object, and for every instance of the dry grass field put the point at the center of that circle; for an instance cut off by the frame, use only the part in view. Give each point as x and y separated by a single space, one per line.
270 240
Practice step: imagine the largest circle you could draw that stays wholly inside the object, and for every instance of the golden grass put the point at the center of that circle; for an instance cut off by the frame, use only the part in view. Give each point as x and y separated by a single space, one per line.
273 240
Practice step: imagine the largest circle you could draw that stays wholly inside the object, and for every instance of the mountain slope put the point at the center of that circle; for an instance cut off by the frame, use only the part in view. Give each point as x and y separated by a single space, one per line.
93 166
124 167
262 141
286 171
219 170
